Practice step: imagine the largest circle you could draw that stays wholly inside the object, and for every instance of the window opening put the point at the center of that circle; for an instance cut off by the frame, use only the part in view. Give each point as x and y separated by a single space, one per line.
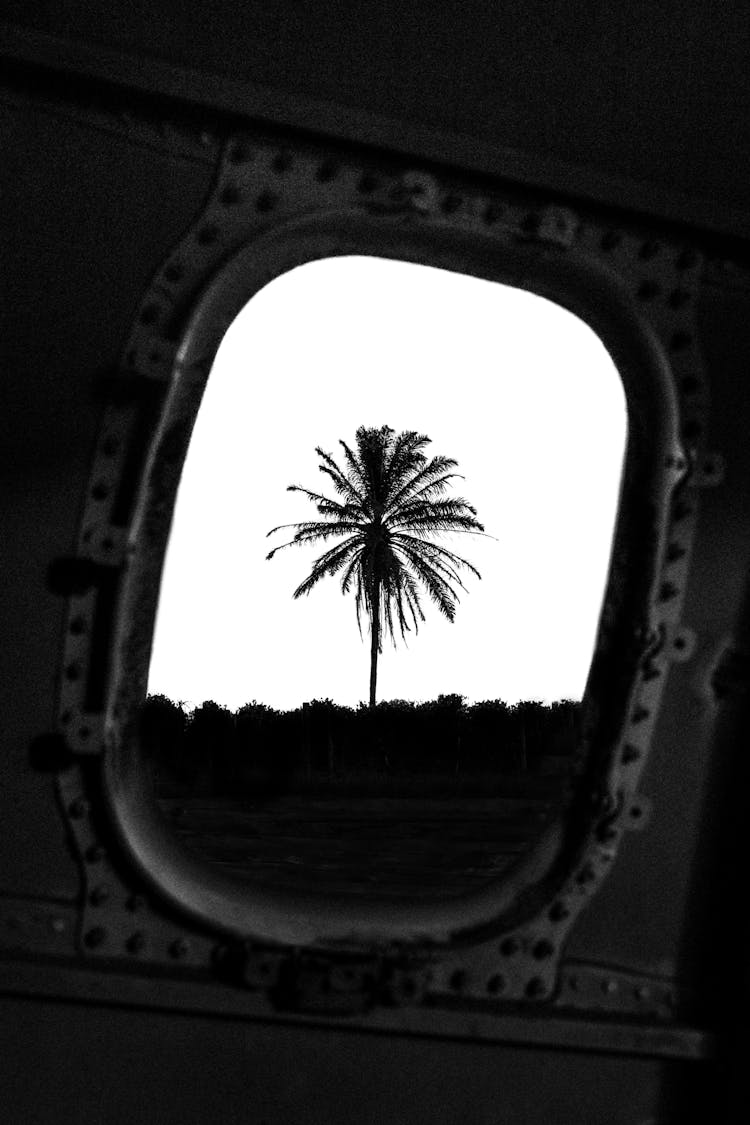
268 760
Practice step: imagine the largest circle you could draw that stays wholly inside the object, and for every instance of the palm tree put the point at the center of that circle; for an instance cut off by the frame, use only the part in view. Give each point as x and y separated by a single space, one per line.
391 502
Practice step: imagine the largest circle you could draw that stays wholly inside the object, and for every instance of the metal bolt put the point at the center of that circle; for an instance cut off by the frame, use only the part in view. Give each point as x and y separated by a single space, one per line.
535 988
136 943
543 949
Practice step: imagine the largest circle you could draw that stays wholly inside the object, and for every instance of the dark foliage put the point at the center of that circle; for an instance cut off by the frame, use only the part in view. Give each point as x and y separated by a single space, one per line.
214 751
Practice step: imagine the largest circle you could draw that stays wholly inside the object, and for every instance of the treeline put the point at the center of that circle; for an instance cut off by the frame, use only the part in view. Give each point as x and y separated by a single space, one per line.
211 750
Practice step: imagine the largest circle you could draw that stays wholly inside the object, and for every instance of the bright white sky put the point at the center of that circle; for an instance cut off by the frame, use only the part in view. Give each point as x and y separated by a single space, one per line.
520 392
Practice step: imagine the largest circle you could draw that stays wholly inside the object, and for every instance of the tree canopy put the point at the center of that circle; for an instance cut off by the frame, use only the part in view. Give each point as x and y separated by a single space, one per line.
390 505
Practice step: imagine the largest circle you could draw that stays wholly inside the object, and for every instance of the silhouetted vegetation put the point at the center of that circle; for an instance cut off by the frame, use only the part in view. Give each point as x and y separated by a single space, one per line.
392 505
322 746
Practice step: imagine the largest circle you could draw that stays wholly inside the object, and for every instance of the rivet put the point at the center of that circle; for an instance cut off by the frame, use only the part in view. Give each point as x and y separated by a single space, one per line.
367 183
134 903
94 853
640 714
149 314
95 937
493 212
609 986
451 204
327 171
690 384
687 259
230 196
611 240
78 626
77 808
678 298
179 949
681 511
630 754
457 980
680 341
408 987
647 290
173 272
509 946
668 591
136 943
675 552
239 154
587 874
543 949
266 201
558 912
535 988
208 234
99 895
496 984
642 992
57 925
72 672
100 491
281 162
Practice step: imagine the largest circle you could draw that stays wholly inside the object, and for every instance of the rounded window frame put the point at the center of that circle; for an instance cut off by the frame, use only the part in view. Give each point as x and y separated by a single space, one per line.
549 251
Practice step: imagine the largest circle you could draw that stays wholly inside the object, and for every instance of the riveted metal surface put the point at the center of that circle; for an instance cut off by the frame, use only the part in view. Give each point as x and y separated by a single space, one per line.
273 208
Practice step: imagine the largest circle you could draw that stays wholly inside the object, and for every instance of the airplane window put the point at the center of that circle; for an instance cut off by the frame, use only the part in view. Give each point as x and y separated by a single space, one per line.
463 441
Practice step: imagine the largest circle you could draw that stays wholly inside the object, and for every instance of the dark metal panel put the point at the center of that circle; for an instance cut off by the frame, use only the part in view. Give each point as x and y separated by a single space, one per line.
193 994
639 105
77 250
95 1066
681 914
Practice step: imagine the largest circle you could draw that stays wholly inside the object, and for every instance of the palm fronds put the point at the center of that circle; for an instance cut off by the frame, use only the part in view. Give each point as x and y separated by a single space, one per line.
392 503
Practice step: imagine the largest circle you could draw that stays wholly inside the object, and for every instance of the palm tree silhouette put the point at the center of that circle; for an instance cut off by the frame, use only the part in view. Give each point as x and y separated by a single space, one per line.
391 502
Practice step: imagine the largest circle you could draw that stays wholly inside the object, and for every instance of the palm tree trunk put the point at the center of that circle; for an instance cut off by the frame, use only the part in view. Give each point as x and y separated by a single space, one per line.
374 639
